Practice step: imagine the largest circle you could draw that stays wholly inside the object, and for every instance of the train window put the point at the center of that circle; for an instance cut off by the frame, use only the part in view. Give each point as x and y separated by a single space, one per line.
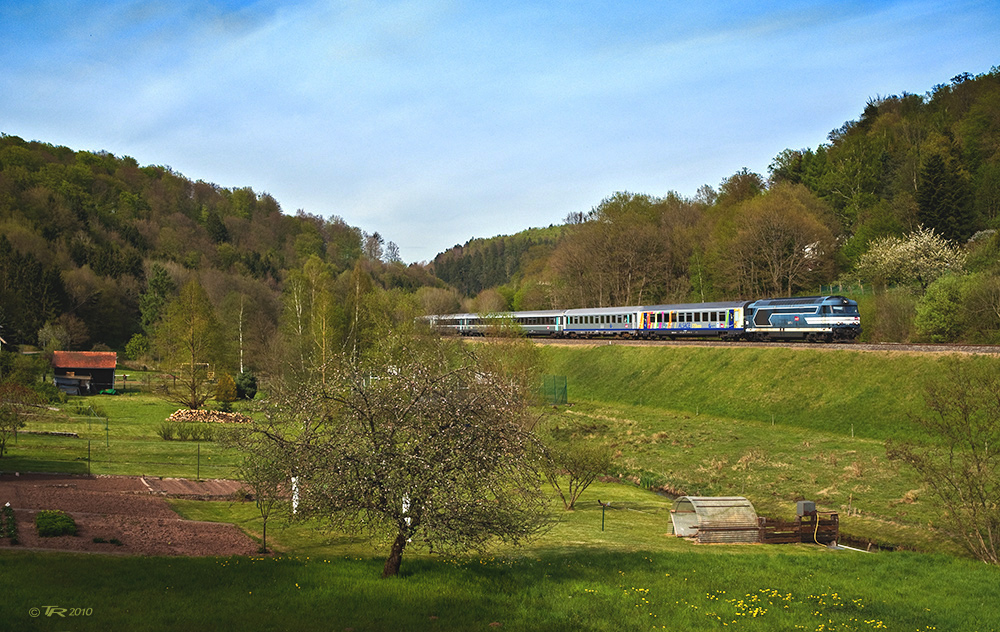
714 316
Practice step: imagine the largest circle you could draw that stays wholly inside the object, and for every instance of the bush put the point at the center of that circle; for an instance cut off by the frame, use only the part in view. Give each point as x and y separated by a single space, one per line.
137 347
889 315
9 522
940 317
50 393
168 431
246 385
225 392
52 523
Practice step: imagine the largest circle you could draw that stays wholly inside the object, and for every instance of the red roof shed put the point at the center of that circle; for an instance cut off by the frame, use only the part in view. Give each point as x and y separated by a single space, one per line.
84 371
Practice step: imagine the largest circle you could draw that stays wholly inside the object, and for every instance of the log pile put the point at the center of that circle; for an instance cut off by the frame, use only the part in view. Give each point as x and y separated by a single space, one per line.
208 416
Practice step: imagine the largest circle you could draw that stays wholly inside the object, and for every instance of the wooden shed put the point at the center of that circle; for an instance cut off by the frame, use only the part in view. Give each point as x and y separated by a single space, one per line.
84 372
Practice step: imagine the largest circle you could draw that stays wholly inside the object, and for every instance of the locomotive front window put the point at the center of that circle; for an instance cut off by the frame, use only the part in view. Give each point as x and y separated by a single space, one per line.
845 310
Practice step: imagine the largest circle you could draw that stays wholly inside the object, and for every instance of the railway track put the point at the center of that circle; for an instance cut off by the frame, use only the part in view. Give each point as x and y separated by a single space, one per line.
834 346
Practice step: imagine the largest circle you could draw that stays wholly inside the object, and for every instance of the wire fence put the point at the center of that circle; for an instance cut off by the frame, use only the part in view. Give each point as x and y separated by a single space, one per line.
52 452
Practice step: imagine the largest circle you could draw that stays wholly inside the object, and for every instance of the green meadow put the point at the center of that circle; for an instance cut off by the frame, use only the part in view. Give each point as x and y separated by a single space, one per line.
114 435
773 425
633 575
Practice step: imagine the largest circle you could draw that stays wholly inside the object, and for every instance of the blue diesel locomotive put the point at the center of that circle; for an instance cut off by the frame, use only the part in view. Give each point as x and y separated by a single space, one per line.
812 318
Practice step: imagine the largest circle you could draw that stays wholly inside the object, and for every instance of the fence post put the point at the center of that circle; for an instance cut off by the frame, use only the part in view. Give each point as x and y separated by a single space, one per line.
198 477
88 457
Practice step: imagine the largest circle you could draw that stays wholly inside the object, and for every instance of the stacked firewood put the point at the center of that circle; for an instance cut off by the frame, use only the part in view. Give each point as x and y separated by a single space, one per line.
208 416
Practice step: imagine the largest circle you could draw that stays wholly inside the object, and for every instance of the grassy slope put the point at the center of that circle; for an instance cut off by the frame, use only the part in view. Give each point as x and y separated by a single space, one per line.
704 427
827 389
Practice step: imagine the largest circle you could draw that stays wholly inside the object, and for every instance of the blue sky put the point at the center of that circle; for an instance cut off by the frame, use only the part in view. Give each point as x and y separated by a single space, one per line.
433 122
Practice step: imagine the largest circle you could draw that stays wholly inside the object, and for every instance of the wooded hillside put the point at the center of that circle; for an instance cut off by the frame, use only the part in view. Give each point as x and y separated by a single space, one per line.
94 248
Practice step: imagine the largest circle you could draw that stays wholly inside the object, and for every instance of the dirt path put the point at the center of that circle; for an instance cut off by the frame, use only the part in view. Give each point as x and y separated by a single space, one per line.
129 509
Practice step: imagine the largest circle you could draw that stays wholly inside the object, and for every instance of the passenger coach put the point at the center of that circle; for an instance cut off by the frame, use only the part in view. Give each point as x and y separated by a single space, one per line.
812 318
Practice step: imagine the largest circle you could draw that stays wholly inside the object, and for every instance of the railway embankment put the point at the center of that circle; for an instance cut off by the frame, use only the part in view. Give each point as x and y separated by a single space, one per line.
844 390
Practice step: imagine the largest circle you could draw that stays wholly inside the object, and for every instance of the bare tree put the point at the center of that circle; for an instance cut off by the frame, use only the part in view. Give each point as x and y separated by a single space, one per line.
780 244
420 439
264 474
16 402
574 466
960 461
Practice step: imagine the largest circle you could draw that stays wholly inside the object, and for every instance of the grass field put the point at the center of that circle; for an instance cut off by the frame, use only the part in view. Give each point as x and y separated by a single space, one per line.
119 435
697 420
773 466
631 576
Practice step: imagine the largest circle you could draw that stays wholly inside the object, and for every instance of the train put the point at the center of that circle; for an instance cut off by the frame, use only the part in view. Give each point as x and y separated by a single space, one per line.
810 318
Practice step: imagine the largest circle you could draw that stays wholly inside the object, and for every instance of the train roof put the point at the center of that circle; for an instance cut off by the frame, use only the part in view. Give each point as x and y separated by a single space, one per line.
601 310
530 314
804 300
690 307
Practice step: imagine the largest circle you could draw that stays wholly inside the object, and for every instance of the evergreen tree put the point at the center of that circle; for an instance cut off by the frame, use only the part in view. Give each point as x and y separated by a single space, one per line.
943 200
151 302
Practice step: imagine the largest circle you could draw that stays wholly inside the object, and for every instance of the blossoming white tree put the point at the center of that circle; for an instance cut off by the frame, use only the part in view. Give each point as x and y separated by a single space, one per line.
420 440
920 257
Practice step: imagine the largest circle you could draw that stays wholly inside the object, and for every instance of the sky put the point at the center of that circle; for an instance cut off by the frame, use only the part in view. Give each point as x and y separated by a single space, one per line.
433 122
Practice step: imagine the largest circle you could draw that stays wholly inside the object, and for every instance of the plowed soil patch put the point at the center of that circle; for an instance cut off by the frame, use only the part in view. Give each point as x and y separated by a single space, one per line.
128 509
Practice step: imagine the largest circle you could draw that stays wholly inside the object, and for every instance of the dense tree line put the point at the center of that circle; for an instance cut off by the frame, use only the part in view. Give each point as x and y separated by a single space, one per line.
488 263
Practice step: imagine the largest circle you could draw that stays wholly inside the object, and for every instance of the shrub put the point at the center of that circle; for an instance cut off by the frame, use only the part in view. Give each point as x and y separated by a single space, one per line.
246 385
52 523
137 347
166 431
225 392
9 523
940 316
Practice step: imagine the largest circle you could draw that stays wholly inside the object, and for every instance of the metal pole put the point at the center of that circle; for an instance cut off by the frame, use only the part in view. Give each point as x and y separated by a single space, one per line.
88 457
198 477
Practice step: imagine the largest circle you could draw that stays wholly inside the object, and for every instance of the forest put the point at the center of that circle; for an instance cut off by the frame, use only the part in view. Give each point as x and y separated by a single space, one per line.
898 209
